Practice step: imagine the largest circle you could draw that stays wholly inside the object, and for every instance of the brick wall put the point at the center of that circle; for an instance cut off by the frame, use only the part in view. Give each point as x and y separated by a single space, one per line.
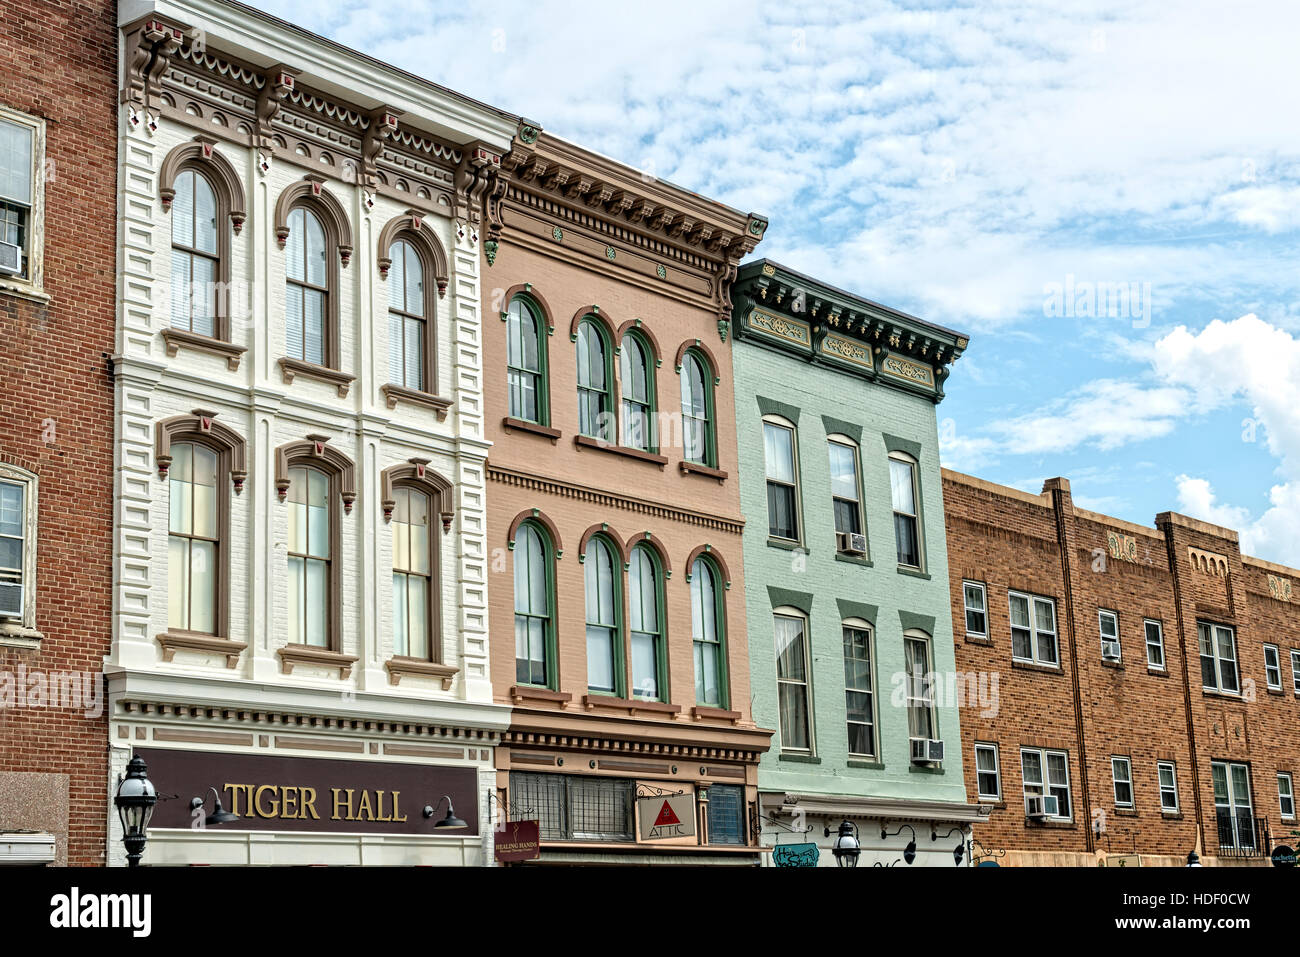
56 405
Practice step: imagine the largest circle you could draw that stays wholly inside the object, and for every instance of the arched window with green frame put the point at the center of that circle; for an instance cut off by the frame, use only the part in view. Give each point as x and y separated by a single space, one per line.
534 606
604 600
709 633
526 362
699 440
646 625
637 378
595 382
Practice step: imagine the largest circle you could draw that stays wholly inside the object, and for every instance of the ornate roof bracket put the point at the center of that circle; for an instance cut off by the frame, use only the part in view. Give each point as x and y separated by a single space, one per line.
280 80
380 129
150 45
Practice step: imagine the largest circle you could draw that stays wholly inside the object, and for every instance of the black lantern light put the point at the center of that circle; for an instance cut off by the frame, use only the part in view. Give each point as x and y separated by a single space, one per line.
909 852
135 800
846 848
219 814
1193 859
450 822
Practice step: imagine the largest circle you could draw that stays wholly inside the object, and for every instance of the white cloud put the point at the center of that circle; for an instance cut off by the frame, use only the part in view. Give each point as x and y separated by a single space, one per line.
1104 413
1197 499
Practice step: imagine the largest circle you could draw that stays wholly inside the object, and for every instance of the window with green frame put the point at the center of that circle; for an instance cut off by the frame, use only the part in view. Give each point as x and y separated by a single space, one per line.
709 630
595 381
526 362
534 606
646 625
604 611
636 372
699 442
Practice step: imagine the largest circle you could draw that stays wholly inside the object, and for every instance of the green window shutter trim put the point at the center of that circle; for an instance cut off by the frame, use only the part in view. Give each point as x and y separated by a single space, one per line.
773 407
835 426
894 444
856 609
911 619
795 599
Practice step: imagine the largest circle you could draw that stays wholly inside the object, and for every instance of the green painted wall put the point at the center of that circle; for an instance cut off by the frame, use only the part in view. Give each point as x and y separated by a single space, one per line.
837 586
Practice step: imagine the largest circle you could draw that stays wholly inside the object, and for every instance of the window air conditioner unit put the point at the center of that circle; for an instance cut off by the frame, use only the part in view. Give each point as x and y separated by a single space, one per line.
851 543
1039 807
934 750
11 259
1110 650
926 750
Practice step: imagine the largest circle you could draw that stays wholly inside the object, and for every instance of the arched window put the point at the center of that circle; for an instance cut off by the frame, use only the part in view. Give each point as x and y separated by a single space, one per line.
196 254
413 550
534 606
645 603
595 376
194 539
526 362
307 296
708 628
604 604
408 312
638 385
698 439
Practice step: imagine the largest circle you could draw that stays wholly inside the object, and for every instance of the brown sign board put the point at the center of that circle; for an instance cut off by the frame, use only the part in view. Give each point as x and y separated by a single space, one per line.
279 793
516 841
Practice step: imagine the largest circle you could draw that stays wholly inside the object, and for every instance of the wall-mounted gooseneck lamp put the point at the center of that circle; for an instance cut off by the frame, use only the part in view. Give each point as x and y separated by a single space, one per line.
450 822
959 851
219 814
909 852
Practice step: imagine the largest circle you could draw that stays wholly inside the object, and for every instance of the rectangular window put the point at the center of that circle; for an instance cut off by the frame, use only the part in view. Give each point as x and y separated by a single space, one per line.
1295 670
792 682
1272 668
1218 658
726 814
973 599
573 808
1155 644
859 700
988 778
1109 635
1033 629
193 541
22 187
309 557
902 486
1233 811
920 689
14 548
1056 784
1285 796
782 484
1168 777
845 499
1121 773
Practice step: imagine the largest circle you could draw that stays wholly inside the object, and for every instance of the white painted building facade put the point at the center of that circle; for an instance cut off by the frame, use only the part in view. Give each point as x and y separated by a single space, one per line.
291 477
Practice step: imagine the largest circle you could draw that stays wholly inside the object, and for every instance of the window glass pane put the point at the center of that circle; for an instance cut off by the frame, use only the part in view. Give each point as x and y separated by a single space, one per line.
205 492
183 210
315 249
413 377
781 511
726 814
793 704
203 587
401 640
397 277
295 247
901 487
203 293
789 648
16 162
642 587
297 589
205 215
293 322
600 659
178 578
417 604
703 607
645 666
909 552
694 389
314 326
317 601
181 286
181 488
1031 768
844 471
779 446
396 347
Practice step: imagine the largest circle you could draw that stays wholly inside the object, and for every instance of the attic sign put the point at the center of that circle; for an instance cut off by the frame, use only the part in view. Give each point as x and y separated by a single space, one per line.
666 816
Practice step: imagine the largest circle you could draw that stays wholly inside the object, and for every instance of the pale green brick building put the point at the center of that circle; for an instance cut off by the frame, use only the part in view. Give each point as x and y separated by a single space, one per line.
846 570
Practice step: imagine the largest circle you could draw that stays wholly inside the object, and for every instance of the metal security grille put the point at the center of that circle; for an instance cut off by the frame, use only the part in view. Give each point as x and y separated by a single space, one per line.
726 814
572 808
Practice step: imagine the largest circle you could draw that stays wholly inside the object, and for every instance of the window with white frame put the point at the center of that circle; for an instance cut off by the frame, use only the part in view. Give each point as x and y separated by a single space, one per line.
1272 668
1285 796
1233 811
907 511
1109 635
921 718
782 464
793 696
1033 629
17 547
859 696
22 189
1295 669
1167 776
1218 658
974 600
1047 773
1121 774
988 777
845 499
1155 644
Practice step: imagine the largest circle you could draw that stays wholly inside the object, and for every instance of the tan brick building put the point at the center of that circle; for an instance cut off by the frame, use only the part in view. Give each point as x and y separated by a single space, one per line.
616 603
57 274
1149 682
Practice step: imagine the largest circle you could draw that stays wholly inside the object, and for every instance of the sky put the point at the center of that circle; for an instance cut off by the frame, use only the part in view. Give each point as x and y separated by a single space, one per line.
1104 195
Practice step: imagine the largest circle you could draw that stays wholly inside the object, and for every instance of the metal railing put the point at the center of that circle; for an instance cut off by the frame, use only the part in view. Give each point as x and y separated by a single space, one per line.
1241 834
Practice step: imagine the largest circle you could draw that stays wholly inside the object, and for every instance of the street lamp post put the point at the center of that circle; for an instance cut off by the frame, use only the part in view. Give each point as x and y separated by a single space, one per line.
846 848
135 800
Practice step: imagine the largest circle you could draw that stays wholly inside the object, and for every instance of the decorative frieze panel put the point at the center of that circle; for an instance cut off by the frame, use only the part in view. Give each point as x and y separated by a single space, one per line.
1207 562
846 350
908 371
1122 547
1279 588
788 330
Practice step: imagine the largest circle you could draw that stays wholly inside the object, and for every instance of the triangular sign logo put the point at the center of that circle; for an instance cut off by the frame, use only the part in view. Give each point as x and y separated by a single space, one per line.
666 816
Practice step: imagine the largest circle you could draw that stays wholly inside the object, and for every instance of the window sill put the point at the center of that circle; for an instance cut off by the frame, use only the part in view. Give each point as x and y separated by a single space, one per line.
913 572
695 468
1125 812
977 640
799 758
1276 691
175 338
1034 666
992 803
289 368
291 655
865 764
630 705
1051 825
1117 665
520 693
1158 672
784 543
521 425
1172 815
22 290
924 769
399 666
602 445
394 393
704 713
854 560
14 635
1227 695
172 641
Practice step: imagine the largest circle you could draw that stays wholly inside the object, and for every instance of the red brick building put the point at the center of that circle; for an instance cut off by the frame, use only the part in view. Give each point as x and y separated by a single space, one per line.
57 278
1148 682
